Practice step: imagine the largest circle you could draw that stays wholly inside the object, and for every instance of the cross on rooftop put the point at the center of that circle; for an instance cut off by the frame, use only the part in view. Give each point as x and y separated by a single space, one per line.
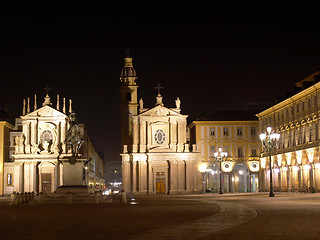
47 89
158 87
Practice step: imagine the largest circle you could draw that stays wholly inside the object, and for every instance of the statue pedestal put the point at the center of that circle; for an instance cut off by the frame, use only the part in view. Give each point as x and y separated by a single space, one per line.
73 179
81 189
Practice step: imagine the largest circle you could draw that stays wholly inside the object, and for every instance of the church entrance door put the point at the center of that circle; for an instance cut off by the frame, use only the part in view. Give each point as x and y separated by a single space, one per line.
160 183
46 182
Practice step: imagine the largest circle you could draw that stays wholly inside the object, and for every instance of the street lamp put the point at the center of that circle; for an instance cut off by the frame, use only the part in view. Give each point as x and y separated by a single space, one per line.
269 141
219 155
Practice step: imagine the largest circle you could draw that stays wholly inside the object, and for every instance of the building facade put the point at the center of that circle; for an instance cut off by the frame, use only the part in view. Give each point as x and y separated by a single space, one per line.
156 157
39 158
239 138
295 161
5 179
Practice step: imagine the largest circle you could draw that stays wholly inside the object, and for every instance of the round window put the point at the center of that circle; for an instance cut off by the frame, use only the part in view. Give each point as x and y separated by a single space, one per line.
159 137
47 136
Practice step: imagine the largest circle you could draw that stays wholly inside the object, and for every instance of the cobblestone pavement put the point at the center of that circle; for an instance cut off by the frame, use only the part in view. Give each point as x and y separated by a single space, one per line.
250 216
209 216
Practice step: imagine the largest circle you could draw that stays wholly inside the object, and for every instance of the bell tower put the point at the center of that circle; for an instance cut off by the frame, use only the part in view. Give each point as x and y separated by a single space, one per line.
128 100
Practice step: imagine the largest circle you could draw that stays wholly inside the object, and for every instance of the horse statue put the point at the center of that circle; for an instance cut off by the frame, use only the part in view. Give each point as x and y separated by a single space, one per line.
74 139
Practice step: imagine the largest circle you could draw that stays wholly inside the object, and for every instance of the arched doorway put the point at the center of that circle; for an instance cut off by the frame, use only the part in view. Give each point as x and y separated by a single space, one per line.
212 178
240 179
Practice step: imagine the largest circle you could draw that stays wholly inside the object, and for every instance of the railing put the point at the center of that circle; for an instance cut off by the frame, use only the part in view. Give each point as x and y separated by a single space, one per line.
66 198
20 198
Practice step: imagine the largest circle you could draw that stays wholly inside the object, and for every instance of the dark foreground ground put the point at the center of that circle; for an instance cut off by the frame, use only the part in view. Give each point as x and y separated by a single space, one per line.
230 216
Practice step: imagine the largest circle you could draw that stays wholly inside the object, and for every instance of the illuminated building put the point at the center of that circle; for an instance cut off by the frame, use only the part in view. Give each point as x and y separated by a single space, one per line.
5 179
113 175
156 157
295 162
39 158
236 132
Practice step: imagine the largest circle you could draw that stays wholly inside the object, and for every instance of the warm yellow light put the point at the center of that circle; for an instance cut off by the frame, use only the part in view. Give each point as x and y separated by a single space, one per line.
288 156
269 130
295 168
263 162
202 168
307 167
263 136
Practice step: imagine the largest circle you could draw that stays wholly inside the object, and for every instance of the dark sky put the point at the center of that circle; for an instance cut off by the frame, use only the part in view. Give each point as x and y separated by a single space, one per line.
212 55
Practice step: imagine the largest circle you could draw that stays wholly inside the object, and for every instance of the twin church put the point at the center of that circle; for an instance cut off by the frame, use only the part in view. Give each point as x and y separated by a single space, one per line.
156 157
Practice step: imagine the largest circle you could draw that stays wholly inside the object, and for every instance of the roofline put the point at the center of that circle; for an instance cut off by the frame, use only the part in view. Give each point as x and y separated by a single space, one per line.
291 99
7 124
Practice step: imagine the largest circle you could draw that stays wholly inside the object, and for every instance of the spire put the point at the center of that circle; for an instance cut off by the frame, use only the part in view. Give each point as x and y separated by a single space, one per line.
70 106
35 102
24 107
64 106
58 102
128 74
28 106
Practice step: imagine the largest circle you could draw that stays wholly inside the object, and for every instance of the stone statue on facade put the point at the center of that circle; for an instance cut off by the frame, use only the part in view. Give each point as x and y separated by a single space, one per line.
178 103
141 103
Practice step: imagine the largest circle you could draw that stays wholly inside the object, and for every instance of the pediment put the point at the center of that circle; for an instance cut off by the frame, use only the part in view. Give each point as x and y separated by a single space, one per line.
160 111
45 111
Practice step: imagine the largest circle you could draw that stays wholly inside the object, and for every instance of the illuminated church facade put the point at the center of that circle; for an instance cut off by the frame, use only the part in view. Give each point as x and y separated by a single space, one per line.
39 158
156 157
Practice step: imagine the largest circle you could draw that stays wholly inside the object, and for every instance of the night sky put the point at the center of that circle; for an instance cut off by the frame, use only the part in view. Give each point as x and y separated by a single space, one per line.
218 56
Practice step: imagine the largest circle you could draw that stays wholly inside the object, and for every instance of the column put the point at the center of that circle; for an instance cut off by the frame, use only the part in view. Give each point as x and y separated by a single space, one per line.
56 177
289 184
61 174
150 180
135 135
134 176
18 178
26 131
63 137
181 175
27 177
173 176
174 134
143 176
180 137
143 134
33 133
33 177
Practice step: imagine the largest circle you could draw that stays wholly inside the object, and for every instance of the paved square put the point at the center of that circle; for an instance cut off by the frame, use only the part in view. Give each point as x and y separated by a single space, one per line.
209 216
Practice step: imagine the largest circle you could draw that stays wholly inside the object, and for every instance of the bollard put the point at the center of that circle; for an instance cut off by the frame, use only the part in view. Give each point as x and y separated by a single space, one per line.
124 197
29 196
40 198
25 196
32 196
12 200
20 198
97 197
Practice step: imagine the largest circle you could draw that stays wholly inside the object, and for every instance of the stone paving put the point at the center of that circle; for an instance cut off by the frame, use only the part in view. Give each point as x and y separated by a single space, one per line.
209 216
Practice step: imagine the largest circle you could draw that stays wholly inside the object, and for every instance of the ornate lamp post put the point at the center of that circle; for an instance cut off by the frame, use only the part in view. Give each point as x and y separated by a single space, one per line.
219 155
269 141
